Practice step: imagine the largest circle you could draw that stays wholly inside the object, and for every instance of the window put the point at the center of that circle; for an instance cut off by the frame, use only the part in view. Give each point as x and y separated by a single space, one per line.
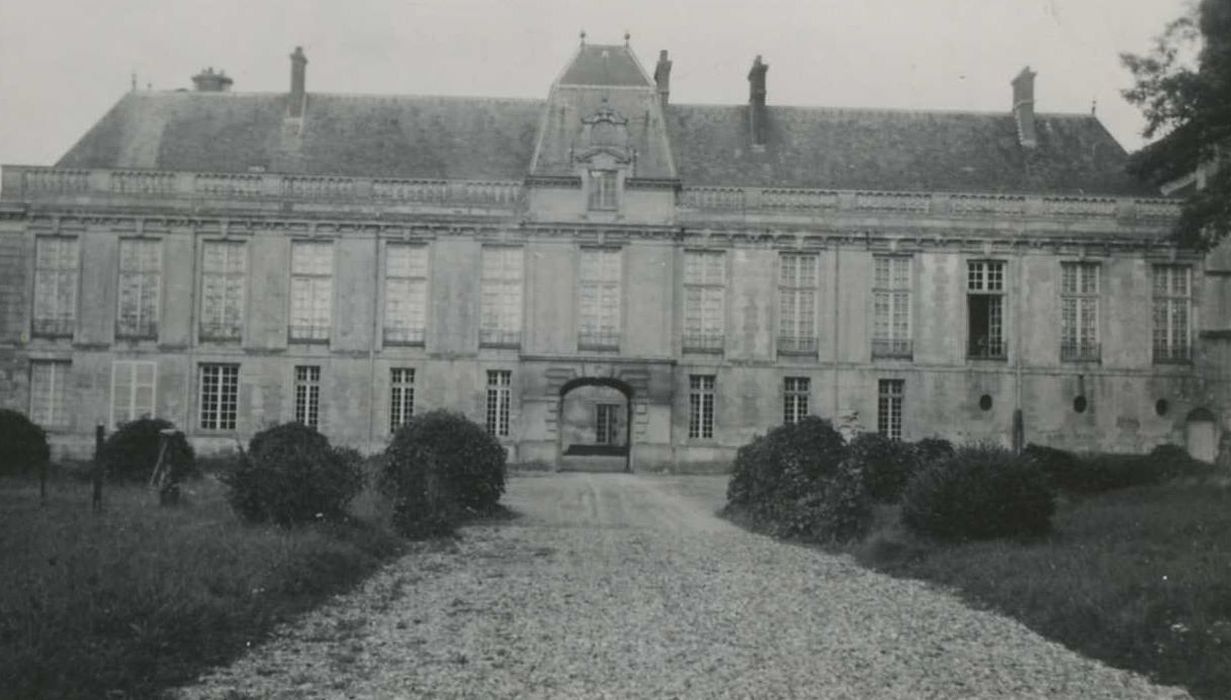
889 408
499 398
795 399
607 423
797 303
308 395
401 397
1079 302
48 387
701 406
219 396
704 290
501 289
224 271
891 287
603 189
55 286
985 306
132 390
311 290
140 279
1172 310
600 299
405 293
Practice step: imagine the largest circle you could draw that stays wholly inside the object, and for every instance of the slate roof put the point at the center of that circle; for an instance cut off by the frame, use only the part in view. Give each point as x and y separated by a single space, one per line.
603 64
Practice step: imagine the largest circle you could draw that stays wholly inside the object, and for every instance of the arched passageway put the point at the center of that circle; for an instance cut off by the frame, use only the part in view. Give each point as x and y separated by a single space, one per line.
595 422
1201 434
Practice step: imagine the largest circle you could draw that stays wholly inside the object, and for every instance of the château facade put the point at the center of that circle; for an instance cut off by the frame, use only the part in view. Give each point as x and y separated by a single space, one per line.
603 277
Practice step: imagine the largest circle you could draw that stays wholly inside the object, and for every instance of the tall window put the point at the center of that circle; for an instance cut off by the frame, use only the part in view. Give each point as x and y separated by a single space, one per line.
48 387
701 406
311 290
224 271
132 390
797 303
55 286
401 397
889 408
219 396
501 290
607 423
891 287
405 293
1079 302
499 400
1172 311
600 299
985 306
795 399
704 291
140 278
603 189
308 395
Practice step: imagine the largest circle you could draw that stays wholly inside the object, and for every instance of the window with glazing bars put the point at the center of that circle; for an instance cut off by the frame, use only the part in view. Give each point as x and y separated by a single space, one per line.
308 395
56 269
133 386
224 274
701 406
795 392
985 306
311 290
501 297
1172 313
797 277
604 185
499 400
405 293
1079 309
607 423
401 397
140 279
891 287
889 408
48 389
219 396
704 300
600 274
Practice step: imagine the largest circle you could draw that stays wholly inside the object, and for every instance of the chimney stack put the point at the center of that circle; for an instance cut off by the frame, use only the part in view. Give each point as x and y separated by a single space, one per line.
662 77
756 100
208 81
299 63
1023 108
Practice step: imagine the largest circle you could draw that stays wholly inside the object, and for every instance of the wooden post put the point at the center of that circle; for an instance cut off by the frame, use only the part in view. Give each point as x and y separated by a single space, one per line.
97 500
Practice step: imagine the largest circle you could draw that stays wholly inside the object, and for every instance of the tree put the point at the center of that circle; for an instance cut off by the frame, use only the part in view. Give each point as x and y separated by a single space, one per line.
1183 86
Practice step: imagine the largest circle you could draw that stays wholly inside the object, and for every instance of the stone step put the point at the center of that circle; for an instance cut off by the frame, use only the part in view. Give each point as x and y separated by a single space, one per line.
592 463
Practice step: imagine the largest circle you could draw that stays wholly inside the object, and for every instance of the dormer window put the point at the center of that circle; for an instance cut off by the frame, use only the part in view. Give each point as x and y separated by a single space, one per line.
603 186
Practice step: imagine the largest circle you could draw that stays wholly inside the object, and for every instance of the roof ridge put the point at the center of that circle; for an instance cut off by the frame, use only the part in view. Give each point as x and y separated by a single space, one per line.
885 110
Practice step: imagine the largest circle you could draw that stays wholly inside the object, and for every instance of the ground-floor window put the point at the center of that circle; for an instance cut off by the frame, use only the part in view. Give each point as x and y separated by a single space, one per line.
701 406
219 396
499 400
132 390
401 397
48 387
308 395
607 423
794 399
889 408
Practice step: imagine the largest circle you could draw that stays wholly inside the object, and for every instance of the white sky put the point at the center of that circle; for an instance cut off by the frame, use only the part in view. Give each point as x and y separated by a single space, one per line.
64 64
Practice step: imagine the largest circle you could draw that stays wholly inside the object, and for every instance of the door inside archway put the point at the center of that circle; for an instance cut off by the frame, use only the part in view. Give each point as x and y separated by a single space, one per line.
595 425
1201 435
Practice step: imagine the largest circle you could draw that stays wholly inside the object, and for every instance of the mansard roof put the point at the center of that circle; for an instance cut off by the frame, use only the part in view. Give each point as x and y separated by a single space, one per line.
604 65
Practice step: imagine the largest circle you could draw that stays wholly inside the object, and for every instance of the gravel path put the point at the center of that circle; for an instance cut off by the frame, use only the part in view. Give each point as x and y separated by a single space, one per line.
620 586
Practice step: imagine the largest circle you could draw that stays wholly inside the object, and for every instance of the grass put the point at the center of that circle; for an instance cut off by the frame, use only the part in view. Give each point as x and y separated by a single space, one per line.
141 598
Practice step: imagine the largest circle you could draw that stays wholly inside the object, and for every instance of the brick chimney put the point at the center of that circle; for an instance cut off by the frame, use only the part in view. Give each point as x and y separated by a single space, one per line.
299 65
209 81
1023 108
756 100
662 77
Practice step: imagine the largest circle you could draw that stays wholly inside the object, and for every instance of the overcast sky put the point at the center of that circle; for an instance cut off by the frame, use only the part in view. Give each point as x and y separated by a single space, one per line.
64 64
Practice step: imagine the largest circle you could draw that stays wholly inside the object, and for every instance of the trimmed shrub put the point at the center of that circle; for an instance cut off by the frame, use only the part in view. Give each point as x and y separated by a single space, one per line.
1063 468
1174 462
837 509
1107 471
981 492
23 445
886 464
130 453
932 449
290 475
440 468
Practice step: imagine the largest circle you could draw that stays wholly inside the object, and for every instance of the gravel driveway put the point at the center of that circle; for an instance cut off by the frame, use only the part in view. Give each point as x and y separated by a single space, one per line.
622 586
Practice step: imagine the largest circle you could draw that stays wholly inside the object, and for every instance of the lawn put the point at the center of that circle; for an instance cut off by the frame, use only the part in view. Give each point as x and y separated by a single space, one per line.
1139 578
141 598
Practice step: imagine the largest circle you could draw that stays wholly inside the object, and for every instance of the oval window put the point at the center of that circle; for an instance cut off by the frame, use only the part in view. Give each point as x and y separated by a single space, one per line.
985 402
1161 406
1079 404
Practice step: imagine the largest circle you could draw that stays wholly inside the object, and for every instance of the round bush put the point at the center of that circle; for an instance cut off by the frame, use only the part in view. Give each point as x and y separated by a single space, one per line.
289 475
23 445
980 492
131 452
932 449
887 465
439 468
838 508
